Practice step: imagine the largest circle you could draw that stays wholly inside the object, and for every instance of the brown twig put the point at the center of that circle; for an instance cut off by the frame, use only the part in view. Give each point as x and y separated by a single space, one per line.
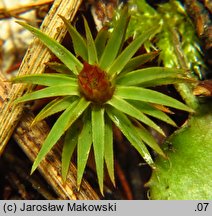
15 11
123 181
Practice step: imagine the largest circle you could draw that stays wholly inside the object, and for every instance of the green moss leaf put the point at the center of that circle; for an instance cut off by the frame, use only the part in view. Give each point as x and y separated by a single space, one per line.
127 108
66 119
101 40
60 68
55 106
149 139
92 53
56 132
84 146
46 79
147 95
115 41
109 160
53 91
70 142
60 51
130 132
154 76
139 60
187 174
152 111
98 136
128 52
79 44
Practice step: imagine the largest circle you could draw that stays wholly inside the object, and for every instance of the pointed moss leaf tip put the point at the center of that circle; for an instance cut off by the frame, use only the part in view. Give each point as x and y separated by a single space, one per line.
60 51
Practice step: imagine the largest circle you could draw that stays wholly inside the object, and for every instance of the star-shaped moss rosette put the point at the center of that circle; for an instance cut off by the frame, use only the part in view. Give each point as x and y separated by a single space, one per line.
104 88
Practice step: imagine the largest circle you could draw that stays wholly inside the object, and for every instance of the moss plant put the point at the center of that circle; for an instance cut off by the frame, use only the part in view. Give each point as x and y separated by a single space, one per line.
104 88
172 17
177 41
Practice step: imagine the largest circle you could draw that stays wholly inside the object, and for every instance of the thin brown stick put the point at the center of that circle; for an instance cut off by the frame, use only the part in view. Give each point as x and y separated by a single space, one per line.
15 11
33 63
124 183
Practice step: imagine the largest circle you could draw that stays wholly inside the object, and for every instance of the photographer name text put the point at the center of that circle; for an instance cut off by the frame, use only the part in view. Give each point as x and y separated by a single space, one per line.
70 207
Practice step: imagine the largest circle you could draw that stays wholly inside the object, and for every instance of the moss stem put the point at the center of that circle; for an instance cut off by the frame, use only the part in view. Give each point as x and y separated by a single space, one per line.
185 89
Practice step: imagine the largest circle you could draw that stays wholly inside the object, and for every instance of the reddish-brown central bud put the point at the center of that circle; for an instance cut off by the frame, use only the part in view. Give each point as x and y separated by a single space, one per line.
94 84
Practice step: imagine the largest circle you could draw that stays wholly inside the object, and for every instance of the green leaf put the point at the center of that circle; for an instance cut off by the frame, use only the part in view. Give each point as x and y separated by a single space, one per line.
149 139
109 160
132 111
67 118
70 142
128 52
60 51
137 61
84 146
59 67
101 40
98 136
56 132
154 76
92 54
52 91
78 110
130 132
188 167
151 96
168 80
46 79
115 42
152 111
55 106
79 44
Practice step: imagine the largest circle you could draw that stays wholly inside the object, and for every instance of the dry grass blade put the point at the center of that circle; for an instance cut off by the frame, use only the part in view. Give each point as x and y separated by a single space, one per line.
30 140
33 63
16 10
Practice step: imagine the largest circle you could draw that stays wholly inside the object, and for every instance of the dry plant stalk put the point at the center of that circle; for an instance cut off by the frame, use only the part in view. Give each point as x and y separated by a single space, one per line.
30 140
15 11
33 63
